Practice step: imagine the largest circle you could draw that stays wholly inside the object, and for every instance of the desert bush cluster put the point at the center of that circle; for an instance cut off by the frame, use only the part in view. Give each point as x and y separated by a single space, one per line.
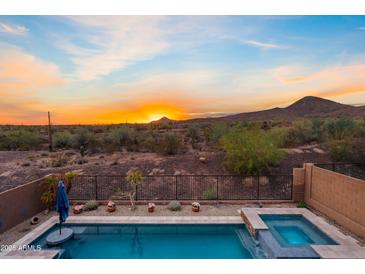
250 146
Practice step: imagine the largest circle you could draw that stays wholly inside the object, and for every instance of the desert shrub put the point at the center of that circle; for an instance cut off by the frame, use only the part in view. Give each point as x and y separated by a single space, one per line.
193 134
21 139
134 178
68 178
346 150
91 205
147 142
300 133
84 139
210 194
62 140
174 206
317 132
217 131
249 151
49 187
301 204
123 136
59 160
341 128
278 135
170 144
80 138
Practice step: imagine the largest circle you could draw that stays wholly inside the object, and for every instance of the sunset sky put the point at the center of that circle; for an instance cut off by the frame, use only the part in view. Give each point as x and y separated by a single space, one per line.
115 69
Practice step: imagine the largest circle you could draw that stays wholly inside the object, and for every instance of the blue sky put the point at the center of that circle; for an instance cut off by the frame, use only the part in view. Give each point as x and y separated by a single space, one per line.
138 68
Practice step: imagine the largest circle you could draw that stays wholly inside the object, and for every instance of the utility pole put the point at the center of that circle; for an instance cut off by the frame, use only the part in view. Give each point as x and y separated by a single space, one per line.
49 132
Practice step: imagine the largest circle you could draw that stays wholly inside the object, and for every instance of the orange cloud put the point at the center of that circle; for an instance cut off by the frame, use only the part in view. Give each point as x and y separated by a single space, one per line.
22 73
22 77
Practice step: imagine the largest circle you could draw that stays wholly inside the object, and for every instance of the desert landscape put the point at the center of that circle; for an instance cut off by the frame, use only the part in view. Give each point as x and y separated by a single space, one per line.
310 130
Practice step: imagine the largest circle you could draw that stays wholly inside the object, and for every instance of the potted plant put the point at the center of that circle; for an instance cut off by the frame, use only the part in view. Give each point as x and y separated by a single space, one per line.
195 207
151 207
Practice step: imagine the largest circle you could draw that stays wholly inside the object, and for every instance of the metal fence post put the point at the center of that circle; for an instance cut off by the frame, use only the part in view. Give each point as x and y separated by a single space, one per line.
136 193
217 188
176 187
96 187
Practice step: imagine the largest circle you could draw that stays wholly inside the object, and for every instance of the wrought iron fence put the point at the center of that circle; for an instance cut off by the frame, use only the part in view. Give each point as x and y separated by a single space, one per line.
356 170
185 187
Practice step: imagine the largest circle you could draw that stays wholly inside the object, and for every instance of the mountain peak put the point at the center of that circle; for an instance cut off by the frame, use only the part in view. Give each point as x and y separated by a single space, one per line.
163 120
313 105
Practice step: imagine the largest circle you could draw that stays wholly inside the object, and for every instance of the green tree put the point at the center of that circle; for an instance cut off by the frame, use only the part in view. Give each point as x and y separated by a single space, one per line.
341 128
250 151
218 129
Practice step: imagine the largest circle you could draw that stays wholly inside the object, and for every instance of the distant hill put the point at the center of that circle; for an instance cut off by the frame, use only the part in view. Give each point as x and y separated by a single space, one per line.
307 107
163 121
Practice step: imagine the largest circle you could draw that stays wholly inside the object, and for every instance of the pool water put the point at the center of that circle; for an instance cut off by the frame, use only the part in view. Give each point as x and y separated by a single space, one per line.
177 241
290 230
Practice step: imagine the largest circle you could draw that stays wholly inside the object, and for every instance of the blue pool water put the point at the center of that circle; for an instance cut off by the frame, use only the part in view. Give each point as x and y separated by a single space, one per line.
166 241
291 230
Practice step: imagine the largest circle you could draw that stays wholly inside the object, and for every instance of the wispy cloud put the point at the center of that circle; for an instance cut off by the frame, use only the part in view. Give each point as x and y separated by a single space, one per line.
115 42
22 72
261 45
13 29
362 28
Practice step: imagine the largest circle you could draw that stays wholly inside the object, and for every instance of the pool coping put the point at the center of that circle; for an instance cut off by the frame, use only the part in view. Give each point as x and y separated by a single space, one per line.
347 247
50 254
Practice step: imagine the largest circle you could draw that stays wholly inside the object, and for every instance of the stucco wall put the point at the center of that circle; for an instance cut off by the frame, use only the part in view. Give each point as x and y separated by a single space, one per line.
19 204
338 196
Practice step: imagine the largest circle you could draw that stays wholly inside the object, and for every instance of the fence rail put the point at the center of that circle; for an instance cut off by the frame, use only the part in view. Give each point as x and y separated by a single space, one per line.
356 170
185 187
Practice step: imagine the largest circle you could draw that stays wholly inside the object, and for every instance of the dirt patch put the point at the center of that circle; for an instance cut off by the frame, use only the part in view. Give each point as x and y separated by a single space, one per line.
20 167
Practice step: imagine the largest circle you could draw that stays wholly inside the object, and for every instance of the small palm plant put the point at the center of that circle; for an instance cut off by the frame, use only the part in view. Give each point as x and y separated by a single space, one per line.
48 197
134 178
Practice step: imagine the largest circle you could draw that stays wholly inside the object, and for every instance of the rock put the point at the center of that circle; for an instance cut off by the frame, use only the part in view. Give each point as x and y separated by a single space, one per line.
26 164
177 173
297 150
202 159
111 206
319 151
77 209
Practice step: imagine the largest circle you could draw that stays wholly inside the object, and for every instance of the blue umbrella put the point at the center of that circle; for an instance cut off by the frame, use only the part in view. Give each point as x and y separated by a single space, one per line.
62 203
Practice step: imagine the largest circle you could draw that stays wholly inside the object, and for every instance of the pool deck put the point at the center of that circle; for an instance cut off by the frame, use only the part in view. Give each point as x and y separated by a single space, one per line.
347 247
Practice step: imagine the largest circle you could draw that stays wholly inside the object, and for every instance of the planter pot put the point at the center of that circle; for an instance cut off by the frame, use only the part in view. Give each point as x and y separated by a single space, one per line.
195 207
151 207
111 206
78 209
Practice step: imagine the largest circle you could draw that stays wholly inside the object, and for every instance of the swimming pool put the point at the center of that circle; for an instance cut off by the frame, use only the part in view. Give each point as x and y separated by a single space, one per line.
157 241
295 230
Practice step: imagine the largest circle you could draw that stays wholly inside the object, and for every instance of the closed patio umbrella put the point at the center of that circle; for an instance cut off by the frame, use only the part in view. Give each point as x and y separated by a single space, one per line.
62 203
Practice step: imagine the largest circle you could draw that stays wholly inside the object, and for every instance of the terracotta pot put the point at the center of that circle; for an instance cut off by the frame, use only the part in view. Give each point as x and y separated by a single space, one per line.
195 209
151 207
78 209
111 206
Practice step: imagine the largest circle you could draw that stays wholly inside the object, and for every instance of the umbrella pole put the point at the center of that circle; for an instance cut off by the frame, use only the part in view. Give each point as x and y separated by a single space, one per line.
60 224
